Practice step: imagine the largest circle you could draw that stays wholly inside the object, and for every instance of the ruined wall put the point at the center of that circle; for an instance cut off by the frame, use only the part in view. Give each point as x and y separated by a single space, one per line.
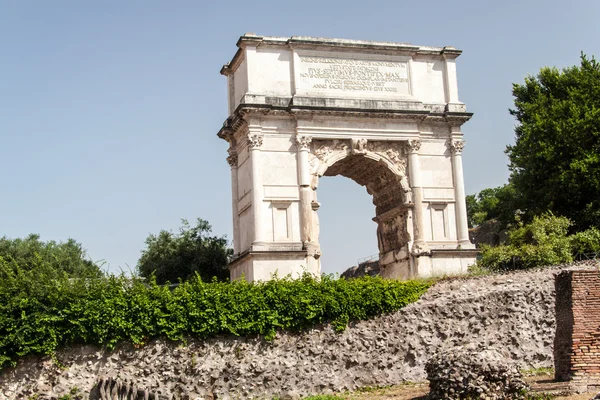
512 314
577 341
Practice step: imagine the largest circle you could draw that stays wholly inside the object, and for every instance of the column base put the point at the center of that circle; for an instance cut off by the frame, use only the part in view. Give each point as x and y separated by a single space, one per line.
265 265
466 244
395 264
420 249
436 263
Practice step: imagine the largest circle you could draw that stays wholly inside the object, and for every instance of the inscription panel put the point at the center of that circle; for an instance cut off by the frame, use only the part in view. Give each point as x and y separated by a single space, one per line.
351 76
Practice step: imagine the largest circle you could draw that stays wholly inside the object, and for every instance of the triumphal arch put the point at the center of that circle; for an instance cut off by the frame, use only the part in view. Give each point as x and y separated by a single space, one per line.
386 115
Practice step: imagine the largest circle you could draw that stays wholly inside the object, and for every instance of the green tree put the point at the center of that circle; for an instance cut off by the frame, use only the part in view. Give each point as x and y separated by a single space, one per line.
492 203
29 253
555 161
170 257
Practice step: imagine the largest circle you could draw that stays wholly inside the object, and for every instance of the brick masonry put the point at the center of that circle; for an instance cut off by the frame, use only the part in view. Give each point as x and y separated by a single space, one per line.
577 340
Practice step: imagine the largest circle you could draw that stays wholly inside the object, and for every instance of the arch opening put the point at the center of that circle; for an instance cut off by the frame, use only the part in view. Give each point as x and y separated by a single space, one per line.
390 195
348 234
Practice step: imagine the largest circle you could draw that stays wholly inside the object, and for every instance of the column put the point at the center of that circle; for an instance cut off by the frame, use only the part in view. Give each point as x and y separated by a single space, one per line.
305 189
456 147
419 245
255 140
233 163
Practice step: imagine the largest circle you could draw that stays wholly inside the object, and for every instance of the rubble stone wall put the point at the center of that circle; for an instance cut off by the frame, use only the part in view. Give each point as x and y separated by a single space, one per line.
512 314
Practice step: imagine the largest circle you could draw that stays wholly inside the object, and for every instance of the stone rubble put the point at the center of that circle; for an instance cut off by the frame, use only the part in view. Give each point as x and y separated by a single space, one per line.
512 313
469 372
108 388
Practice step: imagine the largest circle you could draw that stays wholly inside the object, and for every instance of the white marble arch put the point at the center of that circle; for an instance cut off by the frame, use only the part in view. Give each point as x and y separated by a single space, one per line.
386 115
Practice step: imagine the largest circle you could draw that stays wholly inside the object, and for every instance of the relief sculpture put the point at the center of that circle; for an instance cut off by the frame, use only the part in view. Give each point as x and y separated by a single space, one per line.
322 152
393 154
359 146
392 233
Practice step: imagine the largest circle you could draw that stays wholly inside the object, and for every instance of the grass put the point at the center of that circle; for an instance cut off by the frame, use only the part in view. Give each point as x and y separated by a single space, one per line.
538 371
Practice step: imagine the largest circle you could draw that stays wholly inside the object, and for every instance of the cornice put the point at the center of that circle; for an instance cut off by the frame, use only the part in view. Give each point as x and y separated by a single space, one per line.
243 111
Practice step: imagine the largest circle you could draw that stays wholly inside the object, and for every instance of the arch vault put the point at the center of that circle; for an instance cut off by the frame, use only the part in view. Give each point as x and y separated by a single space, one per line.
385 115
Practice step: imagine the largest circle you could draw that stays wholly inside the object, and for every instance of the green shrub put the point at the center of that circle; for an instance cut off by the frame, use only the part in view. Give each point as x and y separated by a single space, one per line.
42 308
544 241
587 241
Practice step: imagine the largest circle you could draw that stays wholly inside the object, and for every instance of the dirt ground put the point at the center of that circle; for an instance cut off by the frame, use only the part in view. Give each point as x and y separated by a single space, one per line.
417 391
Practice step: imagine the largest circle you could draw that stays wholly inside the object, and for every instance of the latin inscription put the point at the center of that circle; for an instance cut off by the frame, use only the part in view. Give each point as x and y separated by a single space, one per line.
353 76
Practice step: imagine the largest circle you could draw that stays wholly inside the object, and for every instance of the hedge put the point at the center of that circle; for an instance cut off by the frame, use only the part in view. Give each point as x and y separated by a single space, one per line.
42 309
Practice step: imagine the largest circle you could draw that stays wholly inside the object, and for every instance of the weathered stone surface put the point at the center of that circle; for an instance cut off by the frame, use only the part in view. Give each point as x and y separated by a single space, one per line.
386 115
473 372
511 313
109 388
370 268
490 233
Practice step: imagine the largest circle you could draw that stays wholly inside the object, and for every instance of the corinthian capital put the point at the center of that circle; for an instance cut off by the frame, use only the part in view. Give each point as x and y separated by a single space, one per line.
456 146
414 145
303 142
232 159
255 140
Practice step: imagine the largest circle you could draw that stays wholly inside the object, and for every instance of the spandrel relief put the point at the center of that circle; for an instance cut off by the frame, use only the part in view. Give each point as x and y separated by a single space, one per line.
326 152
321 156
394 154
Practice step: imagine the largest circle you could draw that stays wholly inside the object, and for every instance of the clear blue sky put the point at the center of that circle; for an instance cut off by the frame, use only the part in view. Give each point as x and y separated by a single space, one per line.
109 110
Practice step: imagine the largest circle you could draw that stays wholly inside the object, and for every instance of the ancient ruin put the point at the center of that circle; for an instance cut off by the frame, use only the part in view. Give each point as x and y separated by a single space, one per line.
386 115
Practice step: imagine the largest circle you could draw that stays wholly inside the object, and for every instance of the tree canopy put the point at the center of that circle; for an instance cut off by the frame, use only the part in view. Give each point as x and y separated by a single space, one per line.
555 161
492 203
172 256
29 253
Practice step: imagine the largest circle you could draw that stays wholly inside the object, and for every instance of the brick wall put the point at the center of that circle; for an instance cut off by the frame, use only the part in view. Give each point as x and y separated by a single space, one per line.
577 340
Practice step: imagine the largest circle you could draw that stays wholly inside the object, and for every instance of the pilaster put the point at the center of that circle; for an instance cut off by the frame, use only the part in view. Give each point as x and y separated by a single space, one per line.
255 141
419 245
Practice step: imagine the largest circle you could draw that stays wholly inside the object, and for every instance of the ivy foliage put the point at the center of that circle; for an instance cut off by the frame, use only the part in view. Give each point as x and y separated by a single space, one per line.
42 308
544 241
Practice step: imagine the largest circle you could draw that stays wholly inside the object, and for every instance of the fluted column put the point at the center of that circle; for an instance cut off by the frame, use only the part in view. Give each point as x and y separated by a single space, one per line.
305 189
255 141
419 245
456 147
232 160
